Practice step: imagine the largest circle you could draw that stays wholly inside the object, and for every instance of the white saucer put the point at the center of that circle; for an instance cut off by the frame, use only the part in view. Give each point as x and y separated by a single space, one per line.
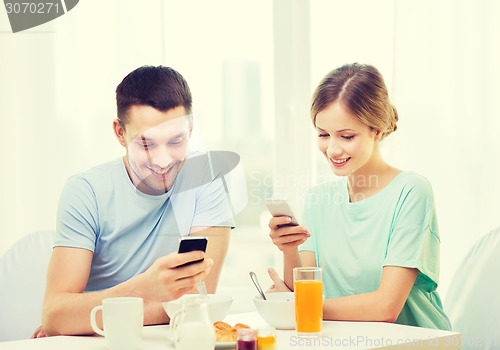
225 345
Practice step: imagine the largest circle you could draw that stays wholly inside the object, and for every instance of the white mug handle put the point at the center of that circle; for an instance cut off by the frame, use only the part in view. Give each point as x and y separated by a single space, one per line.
174 323
93 322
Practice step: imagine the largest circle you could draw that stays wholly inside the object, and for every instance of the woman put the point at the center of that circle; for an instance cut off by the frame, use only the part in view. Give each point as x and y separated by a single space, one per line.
374 229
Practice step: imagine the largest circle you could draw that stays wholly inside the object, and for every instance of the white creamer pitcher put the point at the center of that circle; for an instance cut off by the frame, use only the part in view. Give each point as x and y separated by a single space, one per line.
190 328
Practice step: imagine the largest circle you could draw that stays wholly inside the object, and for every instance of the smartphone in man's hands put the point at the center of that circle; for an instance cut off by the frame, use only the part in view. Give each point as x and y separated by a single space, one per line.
190 243
280 207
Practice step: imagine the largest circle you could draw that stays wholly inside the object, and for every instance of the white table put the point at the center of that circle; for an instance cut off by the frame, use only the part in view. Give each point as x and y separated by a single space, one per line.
336 335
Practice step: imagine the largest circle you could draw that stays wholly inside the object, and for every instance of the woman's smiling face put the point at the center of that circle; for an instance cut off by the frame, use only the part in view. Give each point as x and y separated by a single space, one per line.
344 140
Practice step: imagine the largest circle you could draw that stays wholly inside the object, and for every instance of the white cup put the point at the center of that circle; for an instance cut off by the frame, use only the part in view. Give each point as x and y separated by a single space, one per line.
122 319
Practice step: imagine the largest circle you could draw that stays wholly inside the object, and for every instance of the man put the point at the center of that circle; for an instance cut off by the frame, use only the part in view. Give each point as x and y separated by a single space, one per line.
119 223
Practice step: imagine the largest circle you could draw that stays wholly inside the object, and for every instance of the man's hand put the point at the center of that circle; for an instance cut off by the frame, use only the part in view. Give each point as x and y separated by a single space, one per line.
164 281
279 285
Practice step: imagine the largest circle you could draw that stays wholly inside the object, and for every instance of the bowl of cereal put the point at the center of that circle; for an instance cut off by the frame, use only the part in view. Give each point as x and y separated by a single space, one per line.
278 310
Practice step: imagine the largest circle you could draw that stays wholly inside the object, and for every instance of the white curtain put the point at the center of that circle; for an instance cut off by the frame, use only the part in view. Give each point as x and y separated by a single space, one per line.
446 87
57 101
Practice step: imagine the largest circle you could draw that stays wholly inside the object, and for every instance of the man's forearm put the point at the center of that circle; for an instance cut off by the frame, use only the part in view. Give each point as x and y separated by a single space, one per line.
69 313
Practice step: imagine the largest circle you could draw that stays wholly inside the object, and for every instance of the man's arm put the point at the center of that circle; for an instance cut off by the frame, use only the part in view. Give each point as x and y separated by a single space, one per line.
218 244
66 308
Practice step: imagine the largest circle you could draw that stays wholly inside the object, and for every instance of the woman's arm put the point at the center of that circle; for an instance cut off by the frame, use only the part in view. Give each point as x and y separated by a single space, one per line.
287 238
384 304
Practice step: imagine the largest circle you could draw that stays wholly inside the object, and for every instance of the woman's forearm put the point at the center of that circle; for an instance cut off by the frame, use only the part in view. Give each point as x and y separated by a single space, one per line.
290 261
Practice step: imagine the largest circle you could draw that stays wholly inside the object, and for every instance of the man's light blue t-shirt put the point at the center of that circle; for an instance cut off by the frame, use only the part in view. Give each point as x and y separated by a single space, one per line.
395 227
102 211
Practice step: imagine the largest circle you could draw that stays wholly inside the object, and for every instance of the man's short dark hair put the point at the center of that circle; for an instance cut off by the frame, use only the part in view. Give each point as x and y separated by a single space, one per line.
160 87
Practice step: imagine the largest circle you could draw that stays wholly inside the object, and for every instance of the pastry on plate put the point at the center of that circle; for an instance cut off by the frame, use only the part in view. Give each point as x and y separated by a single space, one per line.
224 332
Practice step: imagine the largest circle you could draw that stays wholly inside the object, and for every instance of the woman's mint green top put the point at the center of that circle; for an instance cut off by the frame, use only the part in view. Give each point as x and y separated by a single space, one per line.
395 227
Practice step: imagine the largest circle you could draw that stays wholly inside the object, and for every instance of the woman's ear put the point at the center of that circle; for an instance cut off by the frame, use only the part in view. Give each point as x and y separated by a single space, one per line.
378 135
119 132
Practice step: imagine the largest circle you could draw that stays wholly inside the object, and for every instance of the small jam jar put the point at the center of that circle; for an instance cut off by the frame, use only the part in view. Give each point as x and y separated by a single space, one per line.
246 339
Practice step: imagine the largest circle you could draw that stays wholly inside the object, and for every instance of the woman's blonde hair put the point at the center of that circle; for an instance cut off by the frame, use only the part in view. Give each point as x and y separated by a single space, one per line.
361 89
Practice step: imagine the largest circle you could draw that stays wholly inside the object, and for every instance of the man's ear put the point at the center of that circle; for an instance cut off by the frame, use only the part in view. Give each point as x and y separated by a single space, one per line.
119 132
190 124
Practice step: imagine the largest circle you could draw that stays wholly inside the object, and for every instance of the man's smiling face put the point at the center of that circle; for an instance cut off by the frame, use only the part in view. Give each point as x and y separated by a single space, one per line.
157 144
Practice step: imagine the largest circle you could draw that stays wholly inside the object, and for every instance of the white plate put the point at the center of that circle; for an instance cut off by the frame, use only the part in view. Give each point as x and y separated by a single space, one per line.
225 345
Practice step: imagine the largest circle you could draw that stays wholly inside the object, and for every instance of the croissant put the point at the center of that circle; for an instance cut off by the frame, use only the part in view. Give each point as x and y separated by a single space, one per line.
224 332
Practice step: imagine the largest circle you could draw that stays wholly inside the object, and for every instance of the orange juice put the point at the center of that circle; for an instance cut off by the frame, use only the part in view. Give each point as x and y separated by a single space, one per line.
308 306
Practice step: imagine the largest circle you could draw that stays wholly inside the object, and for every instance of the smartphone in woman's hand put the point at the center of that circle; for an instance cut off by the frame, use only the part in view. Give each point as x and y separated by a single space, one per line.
280 207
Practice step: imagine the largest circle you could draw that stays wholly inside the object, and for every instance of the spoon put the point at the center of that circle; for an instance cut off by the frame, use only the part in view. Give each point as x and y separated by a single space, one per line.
202 289
255 281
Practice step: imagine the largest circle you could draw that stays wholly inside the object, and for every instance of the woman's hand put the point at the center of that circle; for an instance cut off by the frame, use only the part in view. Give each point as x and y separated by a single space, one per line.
38 333
279 285
286 237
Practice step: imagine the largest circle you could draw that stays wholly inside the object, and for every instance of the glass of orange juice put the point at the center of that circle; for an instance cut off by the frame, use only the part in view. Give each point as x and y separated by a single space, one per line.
308 287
